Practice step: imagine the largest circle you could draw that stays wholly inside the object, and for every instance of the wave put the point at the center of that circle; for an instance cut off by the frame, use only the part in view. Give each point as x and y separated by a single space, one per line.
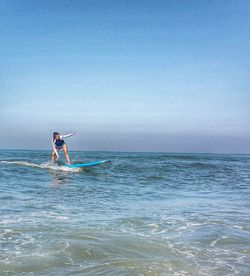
45 165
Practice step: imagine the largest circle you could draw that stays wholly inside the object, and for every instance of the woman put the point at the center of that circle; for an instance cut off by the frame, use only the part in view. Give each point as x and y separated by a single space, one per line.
58 143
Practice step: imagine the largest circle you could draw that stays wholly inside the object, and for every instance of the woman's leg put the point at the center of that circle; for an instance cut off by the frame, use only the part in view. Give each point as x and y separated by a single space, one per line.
65 150
53 155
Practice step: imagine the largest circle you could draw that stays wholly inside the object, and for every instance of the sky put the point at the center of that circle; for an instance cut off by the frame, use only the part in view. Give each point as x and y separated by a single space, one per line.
169 76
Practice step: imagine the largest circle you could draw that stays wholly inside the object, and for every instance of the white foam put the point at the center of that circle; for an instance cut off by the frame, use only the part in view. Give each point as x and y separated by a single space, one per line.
213 243
153 225
62 218
45 165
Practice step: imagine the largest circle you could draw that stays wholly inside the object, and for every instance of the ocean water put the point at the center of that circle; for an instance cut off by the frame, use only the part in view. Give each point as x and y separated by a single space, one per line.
141 214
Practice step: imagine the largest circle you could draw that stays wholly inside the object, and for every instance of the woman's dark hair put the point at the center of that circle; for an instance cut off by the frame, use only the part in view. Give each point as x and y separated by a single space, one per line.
54 135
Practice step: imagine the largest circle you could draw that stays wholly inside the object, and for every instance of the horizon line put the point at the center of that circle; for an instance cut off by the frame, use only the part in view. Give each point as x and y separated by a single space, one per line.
117 151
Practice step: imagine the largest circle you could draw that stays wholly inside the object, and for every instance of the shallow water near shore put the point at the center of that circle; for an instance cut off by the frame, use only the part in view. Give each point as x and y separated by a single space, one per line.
141 214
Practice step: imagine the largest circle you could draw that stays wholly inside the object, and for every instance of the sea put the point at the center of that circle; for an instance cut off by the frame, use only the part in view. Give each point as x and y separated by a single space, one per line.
139 214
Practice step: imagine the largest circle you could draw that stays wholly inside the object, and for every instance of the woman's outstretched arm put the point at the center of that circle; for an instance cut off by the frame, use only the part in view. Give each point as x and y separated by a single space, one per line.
67 135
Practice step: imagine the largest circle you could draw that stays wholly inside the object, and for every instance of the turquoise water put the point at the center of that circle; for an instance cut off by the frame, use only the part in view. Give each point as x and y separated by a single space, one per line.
141 214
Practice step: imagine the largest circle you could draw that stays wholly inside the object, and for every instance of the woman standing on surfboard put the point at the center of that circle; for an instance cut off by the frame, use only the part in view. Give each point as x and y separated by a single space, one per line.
58 143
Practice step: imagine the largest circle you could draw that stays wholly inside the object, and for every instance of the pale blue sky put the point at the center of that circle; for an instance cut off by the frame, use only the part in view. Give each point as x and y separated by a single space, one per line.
127 75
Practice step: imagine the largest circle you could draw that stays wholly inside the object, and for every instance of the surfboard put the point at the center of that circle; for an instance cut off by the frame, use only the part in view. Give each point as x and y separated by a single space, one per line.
82 165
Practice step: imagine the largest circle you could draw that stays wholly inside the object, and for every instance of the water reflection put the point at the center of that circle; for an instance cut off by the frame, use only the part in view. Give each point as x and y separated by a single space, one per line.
59 178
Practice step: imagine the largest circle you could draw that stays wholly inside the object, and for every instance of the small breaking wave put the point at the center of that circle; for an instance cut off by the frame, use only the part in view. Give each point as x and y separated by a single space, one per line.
45 165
